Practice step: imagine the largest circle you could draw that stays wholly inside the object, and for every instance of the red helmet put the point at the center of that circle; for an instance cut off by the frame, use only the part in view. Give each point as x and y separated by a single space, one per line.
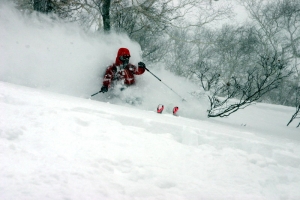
123 52
123 56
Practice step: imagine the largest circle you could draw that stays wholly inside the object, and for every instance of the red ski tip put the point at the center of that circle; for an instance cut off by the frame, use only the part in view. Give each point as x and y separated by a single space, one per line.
175 110
160 108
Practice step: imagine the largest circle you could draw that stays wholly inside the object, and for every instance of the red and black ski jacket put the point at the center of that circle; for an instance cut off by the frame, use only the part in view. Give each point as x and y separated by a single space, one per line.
126 74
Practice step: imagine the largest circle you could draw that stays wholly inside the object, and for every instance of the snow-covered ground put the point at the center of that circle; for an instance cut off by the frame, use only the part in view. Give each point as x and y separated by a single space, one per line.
56 143
61 147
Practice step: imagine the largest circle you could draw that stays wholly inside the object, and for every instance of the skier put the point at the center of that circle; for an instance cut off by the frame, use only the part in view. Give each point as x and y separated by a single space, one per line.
122 70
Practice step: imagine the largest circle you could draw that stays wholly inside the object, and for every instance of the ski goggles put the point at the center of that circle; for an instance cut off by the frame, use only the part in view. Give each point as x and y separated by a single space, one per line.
125 57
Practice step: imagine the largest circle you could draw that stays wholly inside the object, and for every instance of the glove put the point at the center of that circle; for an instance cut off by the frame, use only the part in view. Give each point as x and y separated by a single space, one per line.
141 65
104 89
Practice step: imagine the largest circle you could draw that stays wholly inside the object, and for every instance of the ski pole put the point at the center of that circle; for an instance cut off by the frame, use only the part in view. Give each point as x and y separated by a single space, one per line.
95 93
164 83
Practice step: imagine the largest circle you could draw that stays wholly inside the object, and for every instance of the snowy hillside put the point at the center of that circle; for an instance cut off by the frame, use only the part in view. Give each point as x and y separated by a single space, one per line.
56 143
61 147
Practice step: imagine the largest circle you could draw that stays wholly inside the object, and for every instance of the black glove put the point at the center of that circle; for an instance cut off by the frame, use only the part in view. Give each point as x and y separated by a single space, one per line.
104 89
141 65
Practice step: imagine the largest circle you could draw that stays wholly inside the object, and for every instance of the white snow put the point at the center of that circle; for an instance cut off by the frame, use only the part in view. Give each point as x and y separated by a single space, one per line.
55 143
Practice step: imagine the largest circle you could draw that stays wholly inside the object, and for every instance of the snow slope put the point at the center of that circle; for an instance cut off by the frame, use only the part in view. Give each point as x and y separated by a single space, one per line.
61 147
55 143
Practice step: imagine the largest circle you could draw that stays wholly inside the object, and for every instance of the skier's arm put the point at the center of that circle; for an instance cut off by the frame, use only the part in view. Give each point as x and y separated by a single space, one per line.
140 69
108 77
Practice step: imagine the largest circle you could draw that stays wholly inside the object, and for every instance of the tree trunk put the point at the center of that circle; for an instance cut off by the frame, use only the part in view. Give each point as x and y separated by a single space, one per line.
105 15
43 6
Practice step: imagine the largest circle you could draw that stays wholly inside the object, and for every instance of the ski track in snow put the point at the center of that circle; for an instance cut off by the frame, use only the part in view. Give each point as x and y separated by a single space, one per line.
60 147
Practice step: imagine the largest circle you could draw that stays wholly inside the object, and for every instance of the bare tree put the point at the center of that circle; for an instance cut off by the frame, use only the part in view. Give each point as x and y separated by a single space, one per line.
229 52
278 23
278 29
208 75
241 92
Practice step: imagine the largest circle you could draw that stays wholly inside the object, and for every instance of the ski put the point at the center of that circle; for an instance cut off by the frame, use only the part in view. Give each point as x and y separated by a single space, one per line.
175 110
160 108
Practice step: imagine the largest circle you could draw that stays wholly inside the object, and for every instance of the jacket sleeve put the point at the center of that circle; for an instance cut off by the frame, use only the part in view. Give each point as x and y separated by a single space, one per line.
109 75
